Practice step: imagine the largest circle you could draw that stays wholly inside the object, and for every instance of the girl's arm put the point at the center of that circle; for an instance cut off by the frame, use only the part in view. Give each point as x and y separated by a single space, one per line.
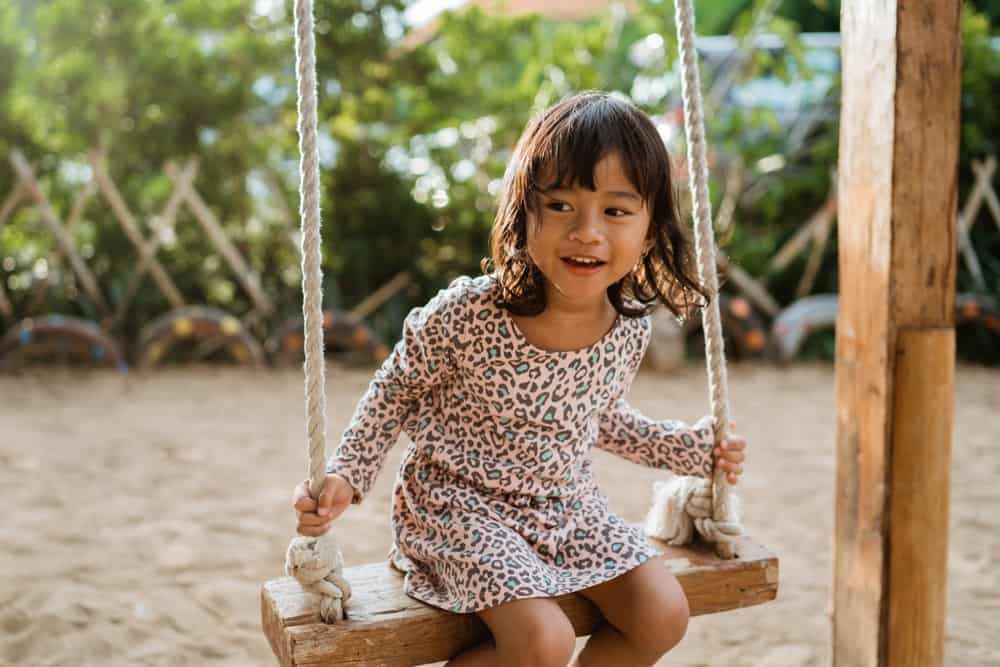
421 361
672 445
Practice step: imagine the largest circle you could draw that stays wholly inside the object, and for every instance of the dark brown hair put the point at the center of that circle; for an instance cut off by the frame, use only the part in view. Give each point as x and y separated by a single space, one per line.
562 145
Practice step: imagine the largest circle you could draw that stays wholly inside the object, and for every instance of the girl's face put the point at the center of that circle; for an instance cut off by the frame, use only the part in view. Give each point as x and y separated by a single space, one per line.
584 241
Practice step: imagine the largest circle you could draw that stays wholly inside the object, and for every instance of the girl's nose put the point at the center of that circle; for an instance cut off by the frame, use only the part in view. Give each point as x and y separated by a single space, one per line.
586 227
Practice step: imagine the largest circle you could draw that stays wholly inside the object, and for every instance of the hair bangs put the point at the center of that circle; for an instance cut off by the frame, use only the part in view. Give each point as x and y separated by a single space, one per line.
570 147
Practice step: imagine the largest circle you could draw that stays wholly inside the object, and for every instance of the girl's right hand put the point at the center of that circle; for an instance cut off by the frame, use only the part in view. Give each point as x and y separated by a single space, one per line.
315 518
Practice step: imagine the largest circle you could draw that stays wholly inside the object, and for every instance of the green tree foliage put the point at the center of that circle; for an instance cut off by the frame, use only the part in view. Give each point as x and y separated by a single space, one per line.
413 137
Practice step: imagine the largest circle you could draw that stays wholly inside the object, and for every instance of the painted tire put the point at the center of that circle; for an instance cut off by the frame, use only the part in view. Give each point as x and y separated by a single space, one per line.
196 324
800 319
978 309
77 340
343 338
743 330
806 316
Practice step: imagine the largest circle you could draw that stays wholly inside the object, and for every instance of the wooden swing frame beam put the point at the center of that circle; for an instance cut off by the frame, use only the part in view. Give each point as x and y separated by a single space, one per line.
899 137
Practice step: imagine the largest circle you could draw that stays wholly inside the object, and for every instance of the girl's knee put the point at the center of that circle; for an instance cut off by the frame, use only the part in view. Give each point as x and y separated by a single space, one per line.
550 645
542 638
664 622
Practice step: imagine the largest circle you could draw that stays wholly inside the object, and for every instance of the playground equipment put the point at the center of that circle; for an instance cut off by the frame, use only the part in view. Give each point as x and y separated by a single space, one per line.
899 137
742 329
72 339
59 338
185 331
383 626
819 312
210 330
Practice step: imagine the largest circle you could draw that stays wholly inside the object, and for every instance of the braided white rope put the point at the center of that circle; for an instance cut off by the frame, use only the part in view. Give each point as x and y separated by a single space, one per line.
316 562
674 507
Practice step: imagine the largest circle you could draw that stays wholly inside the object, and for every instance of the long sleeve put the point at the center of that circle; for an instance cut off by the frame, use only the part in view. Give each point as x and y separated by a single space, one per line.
657 443
672 445
421 361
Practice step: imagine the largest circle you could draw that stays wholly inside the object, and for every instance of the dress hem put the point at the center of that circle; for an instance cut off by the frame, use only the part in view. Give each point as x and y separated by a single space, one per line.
512 597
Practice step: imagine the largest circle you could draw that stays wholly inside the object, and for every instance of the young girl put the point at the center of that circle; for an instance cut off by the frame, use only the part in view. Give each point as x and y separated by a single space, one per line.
506 381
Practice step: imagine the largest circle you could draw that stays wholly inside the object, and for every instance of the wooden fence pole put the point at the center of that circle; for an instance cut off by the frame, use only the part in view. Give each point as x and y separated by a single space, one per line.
87 280
205 217
899 138
128 224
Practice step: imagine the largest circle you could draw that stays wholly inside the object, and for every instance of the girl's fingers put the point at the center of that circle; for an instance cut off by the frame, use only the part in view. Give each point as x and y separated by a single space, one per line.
305 504
313 519
726 455
734 443
730 466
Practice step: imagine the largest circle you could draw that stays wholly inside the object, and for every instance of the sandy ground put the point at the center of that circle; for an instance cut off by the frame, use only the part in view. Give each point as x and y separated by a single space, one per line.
142 513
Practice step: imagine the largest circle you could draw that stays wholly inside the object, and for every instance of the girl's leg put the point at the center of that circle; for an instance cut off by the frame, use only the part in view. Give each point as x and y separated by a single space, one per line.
528 633
646 615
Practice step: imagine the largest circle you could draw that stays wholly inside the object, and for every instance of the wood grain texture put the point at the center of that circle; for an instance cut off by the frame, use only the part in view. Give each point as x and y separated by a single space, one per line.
386 628
897 180
217 235
918 518
863 329
925 163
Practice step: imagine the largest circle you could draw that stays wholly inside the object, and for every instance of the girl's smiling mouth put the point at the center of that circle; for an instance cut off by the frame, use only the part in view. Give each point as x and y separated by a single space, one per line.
583 264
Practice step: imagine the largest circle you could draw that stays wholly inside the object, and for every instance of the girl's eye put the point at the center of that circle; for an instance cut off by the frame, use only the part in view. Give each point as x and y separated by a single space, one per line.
616 212
557 206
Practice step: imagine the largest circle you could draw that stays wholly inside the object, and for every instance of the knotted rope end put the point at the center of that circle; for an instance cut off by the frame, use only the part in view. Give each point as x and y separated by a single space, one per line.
318 565
682 506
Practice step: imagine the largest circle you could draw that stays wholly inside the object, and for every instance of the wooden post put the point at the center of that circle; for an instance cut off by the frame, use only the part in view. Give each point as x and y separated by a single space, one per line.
13 201
27 176
6 309
205 217
166 220
895 332
129 225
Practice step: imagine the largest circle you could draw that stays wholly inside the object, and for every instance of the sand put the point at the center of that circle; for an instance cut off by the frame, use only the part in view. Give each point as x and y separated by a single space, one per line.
142 513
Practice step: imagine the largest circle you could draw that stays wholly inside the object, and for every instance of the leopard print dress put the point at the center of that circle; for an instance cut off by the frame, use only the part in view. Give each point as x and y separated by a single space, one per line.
495 498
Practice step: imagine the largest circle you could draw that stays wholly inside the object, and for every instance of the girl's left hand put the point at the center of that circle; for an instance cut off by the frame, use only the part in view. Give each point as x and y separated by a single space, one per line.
729 456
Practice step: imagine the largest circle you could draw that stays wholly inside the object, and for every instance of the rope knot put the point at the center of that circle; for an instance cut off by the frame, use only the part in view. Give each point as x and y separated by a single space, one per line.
318 565
682 505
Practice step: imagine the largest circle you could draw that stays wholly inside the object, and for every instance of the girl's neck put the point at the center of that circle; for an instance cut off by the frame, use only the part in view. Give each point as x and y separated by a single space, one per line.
565 327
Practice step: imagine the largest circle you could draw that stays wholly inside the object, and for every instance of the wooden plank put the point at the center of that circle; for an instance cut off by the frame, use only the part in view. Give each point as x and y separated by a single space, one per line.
748 285
925 179
918 518
374 301
41 288
131 228
15 198
984 172
794 246
387 628
205 217
6 309
26 174
166 219
821 235
897 185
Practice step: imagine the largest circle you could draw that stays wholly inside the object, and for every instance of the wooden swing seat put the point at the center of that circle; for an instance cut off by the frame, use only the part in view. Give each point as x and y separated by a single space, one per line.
386 628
